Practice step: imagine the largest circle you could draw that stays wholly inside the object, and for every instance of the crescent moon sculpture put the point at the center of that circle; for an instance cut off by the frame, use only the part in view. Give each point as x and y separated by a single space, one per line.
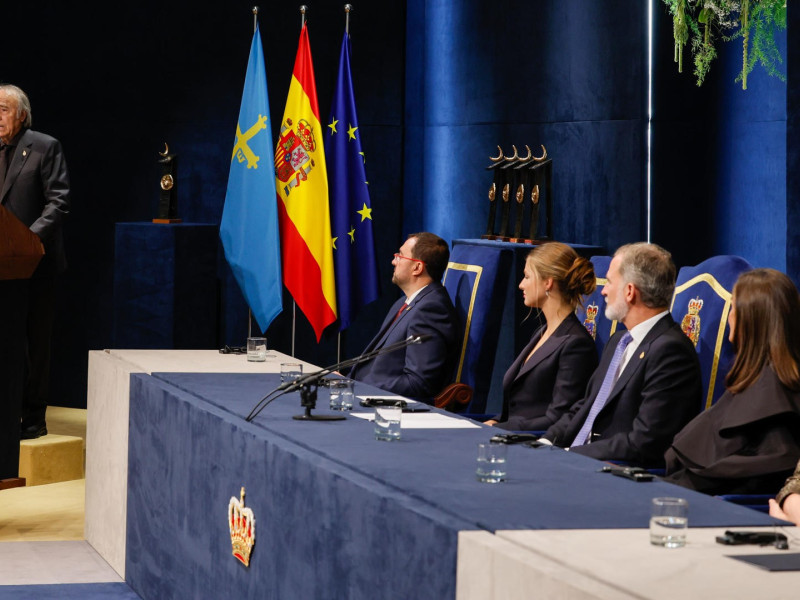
166 150
515 157
525 159
499 157
543 156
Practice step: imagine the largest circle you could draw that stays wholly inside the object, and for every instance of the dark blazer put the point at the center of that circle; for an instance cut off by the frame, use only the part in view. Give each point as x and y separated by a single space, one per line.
746 443
36 191
421 370
656 394
537 392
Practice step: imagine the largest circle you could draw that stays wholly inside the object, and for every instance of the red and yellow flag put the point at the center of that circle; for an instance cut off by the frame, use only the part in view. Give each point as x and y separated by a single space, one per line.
302 187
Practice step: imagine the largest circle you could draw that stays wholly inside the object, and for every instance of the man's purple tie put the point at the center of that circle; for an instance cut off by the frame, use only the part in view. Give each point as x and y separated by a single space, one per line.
605 390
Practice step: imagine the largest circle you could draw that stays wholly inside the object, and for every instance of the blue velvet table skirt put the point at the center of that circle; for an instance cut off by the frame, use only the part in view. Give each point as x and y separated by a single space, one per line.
338 514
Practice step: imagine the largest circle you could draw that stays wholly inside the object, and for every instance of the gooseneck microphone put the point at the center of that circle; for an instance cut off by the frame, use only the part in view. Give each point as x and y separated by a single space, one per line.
305 382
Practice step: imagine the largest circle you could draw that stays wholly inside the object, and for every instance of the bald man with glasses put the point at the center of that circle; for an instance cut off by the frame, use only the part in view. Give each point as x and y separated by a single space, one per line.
422 370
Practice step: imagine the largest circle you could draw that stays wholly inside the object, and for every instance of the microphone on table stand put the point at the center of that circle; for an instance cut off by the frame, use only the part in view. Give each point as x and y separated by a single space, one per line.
304 384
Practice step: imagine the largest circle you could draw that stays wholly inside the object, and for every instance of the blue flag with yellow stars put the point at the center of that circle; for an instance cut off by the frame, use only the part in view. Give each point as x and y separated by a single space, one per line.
351 212
249 227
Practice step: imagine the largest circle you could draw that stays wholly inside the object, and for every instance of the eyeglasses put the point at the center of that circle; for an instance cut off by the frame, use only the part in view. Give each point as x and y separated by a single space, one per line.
398 255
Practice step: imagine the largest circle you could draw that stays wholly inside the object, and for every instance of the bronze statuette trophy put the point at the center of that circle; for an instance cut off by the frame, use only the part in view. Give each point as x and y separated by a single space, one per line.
526 177
168 200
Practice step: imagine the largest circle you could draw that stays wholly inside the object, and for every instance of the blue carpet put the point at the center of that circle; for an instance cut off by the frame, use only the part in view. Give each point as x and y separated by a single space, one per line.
69 591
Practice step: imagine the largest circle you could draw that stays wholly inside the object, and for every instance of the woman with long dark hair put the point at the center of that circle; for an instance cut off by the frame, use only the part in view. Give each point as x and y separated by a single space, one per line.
749 441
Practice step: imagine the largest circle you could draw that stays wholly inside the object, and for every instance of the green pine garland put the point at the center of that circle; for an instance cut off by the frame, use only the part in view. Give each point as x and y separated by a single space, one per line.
754 21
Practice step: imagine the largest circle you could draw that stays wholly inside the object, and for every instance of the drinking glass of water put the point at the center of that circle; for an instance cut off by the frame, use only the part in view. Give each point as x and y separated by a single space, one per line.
669 521
341 393
491 462
387 423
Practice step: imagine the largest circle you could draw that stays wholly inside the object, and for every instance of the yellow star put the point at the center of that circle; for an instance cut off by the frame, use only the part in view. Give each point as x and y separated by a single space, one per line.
366 213
352 234
333 241
333 126
363 157
352 132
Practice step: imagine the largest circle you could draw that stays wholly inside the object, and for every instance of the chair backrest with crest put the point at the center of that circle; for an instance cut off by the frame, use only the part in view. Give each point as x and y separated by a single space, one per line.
476 279
701 304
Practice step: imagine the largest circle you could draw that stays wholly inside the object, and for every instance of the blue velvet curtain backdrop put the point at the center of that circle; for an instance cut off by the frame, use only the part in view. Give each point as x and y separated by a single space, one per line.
439 85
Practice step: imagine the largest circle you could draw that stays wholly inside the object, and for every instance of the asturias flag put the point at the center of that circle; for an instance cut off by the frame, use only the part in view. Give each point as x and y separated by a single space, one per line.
249 227
351 211
302 186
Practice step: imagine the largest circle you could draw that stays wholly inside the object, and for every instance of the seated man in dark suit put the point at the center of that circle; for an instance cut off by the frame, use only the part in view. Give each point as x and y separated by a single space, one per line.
647 386
420 370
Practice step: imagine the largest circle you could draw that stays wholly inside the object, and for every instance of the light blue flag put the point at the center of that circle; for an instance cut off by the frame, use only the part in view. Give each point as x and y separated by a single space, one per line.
249 228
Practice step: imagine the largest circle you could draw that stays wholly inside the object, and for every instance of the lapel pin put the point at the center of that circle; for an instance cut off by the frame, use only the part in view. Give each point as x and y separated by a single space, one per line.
24 153
641 356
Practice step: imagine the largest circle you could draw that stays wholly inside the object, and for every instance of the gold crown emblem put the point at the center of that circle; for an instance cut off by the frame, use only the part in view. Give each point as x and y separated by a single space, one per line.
695 305
691 321
242 523
591 312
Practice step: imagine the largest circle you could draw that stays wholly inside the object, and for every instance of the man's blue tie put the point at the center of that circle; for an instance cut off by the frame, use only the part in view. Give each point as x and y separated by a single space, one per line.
605 389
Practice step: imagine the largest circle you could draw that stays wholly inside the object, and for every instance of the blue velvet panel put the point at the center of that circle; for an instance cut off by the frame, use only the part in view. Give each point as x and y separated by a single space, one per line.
476 280
712 283
338 514
565 73
165 287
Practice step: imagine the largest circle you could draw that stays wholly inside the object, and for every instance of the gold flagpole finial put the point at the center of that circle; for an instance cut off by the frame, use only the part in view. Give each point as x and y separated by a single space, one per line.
347 9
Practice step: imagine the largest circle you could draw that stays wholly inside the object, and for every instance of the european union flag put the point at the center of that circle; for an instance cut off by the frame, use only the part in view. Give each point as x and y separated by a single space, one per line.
249 228
351 212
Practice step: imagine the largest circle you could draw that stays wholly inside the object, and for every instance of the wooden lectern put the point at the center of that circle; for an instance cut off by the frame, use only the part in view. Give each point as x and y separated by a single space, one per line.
20 248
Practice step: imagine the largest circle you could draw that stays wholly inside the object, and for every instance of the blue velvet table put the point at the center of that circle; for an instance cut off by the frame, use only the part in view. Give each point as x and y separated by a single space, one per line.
338 514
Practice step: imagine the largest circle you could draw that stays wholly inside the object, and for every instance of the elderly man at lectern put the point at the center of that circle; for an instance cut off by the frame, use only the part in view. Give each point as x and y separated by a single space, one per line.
34 195
421 370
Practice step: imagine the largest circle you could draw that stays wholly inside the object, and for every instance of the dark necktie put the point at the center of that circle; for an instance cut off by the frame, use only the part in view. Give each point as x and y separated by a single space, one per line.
605 390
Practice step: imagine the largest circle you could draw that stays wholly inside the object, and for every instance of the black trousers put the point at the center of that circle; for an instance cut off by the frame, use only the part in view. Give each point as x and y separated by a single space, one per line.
27 307
13 317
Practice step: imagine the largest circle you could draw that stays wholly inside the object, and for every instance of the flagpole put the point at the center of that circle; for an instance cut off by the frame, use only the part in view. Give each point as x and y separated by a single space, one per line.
303 9
347 9
250 310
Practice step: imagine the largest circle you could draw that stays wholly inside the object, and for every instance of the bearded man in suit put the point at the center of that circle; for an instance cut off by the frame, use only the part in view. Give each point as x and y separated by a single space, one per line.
420 370
648 383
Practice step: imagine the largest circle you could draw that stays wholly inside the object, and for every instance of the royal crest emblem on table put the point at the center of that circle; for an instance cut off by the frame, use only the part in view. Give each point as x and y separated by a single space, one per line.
242 524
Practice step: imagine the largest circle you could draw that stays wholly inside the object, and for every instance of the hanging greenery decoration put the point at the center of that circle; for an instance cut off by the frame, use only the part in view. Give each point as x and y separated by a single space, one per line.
705 21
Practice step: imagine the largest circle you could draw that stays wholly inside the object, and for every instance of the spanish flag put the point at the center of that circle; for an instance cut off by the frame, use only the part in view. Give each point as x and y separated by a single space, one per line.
302 188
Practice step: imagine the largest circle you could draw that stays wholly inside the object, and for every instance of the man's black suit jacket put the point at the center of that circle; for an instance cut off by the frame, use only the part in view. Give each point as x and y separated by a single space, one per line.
36 191
420 370
538 392
657 393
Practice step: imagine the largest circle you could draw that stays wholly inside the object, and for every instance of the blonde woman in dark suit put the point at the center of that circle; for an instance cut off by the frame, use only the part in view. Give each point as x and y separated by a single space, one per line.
550 374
